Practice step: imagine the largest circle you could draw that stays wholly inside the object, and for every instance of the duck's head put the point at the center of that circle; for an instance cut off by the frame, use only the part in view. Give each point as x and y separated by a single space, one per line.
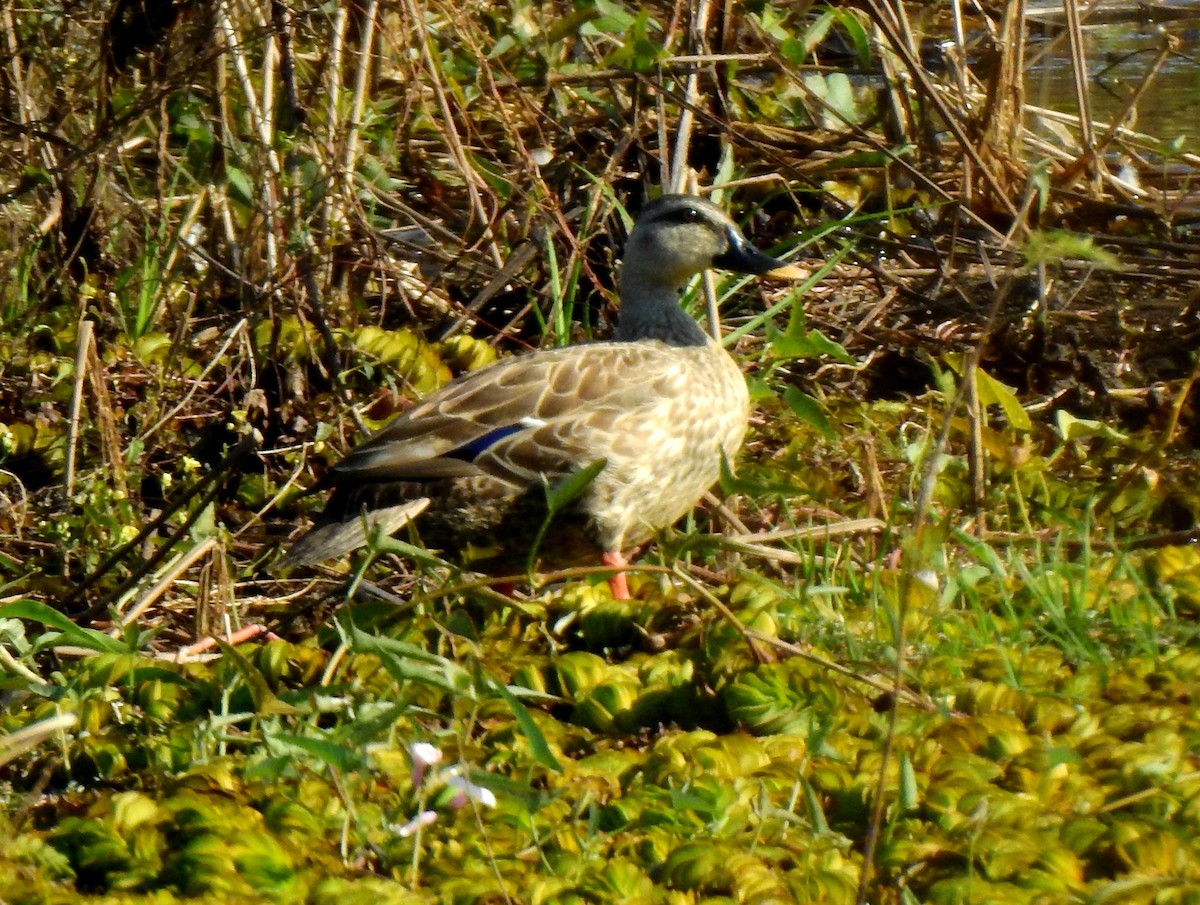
678 236
675 238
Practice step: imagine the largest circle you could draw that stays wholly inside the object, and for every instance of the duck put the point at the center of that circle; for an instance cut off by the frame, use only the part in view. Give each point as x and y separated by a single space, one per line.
628 433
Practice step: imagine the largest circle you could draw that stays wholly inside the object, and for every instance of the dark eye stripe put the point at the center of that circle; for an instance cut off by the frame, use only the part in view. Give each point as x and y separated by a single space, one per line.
678 210
683 215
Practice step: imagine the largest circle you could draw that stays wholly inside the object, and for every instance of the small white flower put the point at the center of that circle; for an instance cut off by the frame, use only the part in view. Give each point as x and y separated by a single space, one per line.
469 790
927 577
424 819
424 756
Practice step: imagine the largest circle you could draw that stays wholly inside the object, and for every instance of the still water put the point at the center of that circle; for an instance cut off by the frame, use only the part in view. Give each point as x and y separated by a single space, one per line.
1119 55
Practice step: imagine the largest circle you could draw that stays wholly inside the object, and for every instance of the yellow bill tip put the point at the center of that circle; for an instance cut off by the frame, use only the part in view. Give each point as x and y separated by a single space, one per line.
788 272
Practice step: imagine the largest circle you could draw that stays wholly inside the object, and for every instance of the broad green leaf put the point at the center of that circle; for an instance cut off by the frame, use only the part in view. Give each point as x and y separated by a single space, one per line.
240 188
809 411
759 388
803 343
992 392
1072 428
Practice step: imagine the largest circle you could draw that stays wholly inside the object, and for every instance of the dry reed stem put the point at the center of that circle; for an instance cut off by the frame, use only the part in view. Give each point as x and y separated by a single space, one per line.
890 16
83 343
362 71
1079 72
106 423
161 584
472 181
29 737
1091 153
677 173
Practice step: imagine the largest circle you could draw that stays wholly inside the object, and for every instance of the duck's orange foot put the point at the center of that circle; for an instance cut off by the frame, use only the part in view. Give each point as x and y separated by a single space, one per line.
618 583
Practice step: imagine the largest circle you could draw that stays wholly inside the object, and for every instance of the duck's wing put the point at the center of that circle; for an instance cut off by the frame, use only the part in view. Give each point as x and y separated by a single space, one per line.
532 417
331 539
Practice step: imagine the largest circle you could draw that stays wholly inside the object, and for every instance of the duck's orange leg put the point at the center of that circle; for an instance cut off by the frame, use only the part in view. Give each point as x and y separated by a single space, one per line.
619 583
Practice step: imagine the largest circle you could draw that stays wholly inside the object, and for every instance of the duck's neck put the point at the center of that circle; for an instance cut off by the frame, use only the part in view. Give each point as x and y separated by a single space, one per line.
650 310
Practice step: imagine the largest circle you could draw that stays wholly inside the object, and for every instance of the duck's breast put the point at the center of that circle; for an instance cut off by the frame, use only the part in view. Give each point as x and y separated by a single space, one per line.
665 451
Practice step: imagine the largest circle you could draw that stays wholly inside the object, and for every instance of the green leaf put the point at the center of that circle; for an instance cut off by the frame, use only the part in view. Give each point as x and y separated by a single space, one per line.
992 392
48 616
387 543
264 699
801 343
529 728
759 388
558 496
816 32
910 797
836 90
856 34
1071 428
240 187
1039 178
341 758
1056 246
812 805
614 19
562 493
809 411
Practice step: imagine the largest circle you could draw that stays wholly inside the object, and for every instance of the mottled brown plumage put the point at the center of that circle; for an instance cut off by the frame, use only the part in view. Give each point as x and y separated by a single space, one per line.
660 406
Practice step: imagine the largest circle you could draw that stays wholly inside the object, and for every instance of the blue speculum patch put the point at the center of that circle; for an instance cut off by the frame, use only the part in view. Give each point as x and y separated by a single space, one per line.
468 452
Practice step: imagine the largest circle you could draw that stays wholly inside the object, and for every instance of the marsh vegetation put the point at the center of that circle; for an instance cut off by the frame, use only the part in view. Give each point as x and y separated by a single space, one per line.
933 641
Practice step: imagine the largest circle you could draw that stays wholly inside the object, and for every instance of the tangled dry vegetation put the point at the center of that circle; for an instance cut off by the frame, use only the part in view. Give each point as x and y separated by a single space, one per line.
937 643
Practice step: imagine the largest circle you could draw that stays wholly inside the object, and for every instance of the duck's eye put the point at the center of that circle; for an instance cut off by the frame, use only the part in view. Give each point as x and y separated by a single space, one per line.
687 215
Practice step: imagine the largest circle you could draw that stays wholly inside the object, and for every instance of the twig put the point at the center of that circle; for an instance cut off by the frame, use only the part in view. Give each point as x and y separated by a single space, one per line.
358 100
241 636
17 743
82 344
904 694
1080 73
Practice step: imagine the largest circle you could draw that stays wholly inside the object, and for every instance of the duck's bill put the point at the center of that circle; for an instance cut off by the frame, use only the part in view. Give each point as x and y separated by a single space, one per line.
742 257
788 272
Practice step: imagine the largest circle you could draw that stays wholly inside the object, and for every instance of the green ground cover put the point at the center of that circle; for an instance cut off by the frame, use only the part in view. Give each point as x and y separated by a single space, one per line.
937 645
